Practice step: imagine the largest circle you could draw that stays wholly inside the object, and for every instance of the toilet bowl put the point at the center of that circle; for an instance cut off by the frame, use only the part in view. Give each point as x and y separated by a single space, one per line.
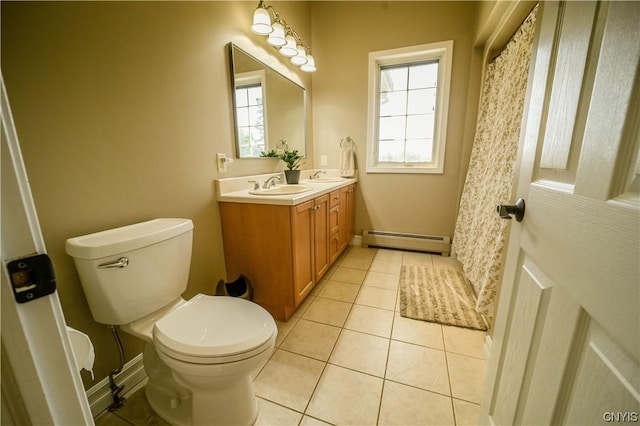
201 354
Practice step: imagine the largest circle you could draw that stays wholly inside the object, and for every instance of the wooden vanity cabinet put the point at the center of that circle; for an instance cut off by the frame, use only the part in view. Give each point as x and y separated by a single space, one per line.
285 250
310 224
346 216
334 225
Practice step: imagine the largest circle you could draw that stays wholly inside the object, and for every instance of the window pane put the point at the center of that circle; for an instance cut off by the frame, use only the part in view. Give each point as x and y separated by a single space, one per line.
423 76
393 103
242 115
420 126
243 135
241 97
418 150
392 128
393 79
255 115
391 151
255 95
421 101
257 135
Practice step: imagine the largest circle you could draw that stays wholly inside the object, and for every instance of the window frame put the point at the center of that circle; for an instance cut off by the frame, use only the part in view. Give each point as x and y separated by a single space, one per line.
443 53
245 80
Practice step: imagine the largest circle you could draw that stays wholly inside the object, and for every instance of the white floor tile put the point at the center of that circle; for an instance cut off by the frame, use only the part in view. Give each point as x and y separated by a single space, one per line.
467 414
418 366
361 352
274 414
406 405
377 298
467 377
346 397
388 267
464 341
389 255
337 290
289 379
382 280
423 259
370 320
417 332
311 339
349 275
327 311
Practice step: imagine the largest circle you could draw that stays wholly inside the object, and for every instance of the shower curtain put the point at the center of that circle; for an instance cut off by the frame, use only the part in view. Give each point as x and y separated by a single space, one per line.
479 236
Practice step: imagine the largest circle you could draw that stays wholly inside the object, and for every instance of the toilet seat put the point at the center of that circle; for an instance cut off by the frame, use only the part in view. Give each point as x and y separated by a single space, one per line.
214 330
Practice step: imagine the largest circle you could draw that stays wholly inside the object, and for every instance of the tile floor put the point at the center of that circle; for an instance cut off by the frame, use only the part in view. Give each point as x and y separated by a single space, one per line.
348 357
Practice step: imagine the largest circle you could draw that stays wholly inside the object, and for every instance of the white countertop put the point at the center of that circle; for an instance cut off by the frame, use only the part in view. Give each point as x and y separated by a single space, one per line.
236 190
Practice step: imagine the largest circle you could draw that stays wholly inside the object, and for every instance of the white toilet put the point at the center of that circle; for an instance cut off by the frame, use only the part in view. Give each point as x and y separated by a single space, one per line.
201 354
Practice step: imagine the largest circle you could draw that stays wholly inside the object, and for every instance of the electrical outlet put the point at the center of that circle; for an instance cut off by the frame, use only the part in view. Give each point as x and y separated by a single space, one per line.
221 160
323 160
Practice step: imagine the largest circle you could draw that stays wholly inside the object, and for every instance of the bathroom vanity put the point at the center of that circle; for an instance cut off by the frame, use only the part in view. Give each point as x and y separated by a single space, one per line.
284 243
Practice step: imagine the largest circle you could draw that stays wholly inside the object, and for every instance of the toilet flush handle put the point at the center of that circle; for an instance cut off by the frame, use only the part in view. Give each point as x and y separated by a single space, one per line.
120 263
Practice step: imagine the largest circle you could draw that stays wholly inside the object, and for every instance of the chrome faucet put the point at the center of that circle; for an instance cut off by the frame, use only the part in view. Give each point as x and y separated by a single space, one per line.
271 182
315 175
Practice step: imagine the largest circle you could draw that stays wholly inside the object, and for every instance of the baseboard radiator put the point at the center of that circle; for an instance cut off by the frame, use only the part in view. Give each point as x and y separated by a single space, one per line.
417 242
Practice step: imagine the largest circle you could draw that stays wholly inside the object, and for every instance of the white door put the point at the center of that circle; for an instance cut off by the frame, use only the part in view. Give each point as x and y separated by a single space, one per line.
40 382
566 345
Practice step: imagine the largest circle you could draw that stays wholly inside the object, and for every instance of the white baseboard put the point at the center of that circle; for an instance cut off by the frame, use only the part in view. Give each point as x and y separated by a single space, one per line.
356 241
99 396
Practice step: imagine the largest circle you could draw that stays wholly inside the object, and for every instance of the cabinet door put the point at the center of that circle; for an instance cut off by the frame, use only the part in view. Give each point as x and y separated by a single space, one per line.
342 219
350 212
321 235
346 216
302 230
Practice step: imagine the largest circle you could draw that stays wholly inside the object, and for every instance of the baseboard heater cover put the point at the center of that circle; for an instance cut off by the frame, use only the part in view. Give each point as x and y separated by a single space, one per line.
398 240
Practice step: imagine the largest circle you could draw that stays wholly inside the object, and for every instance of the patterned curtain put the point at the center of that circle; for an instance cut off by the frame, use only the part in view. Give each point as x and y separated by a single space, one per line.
479 238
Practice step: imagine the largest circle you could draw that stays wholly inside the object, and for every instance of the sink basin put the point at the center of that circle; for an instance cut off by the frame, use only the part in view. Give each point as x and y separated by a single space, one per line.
281 190
325 180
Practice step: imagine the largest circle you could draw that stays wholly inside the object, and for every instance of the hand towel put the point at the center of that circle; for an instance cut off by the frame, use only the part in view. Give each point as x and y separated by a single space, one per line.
347 160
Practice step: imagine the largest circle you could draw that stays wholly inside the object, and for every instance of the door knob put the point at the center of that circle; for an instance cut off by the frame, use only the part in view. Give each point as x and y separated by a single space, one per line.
505 211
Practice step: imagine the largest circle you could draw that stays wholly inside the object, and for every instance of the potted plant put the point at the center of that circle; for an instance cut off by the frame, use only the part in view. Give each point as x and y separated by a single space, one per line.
292 160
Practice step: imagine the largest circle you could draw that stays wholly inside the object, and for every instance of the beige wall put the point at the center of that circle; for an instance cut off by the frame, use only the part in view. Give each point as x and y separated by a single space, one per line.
120 108
343 35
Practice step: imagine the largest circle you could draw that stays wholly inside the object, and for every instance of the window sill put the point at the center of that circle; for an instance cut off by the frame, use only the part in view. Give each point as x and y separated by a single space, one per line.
405 169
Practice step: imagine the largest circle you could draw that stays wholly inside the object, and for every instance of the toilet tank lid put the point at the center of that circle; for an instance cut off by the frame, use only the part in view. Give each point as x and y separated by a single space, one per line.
126 238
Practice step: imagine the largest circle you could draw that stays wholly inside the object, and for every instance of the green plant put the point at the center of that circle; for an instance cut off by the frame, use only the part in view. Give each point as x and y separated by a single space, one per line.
290 158
271 153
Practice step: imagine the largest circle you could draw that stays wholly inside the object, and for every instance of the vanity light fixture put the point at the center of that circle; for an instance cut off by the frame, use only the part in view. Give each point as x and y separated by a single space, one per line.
282 37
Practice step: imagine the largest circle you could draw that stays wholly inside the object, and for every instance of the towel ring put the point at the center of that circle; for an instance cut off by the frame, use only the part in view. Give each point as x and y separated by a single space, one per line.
347 140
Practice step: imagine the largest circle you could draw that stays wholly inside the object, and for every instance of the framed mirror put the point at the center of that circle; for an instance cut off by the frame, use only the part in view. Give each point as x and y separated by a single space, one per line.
267 107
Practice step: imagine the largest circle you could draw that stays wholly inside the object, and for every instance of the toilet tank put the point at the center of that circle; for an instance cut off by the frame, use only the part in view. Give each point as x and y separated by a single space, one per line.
132 271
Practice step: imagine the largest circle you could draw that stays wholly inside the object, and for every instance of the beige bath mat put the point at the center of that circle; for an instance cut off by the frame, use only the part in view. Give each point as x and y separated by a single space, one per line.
438 295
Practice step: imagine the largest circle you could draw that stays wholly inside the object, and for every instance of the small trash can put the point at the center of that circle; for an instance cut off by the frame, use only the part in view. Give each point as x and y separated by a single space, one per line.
241 287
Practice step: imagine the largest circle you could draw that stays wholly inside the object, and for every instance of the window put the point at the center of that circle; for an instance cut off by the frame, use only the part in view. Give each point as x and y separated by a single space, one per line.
408 103
250 113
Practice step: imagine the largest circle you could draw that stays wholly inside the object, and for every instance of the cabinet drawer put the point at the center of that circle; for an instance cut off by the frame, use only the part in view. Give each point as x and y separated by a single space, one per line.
334 213
334 198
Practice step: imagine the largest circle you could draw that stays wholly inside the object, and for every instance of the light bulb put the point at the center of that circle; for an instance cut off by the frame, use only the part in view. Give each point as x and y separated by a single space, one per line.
276 38
289 49
310 66
261 21
301 56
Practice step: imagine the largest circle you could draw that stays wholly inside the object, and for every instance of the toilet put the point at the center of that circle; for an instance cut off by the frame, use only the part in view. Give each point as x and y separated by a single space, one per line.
202 354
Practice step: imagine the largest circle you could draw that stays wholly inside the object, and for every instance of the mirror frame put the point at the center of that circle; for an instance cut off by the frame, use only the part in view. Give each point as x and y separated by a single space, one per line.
231 47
